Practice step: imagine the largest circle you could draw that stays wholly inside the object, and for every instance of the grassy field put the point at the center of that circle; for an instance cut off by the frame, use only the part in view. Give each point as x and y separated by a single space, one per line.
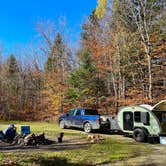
105 152
50 129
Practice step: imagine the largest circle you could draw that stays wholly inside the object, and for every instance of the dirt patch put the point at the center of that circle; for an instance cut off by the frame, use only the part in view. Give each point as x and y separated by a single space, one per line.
4 144
66 145
156 157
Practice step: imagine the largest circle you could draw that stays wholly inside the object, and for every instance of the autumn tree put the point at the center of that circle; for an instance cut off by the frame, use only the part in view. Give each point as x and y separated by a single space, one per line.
57 66
142 16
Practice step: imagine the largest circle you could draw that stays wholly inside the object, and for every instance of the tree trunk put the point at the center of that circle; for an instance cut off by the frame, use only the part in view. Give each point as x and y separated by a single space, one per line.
150 77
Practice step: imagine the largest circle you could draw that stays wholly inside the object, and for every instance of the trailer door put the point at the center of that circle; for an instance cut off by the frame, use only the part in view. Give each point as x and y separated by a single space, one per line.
128 123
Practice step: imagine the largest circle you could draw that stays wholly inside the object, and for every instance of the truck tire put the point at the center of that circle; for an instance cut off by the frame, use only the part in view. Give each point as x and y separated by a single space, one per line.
139 135
62 124
87 127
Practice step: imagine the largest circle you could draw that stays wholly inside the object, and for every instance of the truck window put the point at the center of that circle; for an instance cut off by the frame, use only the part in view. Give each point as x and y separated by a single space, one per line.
91 112
71 112
78 112
137 116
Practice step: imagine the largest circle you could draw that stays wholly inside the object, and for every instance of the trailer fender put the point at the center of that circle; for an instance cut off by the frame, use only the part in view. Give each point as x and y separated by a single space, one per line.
144 130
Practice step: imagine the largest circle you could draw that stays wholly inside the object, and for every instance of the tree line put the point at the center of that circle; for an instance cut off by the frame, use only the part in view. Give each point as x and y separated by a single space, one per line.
121 61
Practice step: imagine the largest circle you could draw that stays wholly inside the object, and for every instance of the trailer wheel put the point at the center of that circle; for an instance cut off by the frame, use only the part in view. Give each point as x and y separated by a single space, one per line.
139 135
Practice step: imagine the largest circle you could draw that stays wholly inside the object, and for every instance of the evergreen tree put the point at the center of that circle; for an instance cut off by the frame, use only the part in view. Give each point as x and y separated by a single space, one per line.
12 67
12 86
85 85
56 54
57 68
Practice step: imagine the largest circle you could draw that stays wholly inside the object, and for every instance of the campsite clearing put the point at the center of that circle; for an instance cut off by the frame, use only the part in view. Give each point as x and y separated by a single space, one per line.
75 150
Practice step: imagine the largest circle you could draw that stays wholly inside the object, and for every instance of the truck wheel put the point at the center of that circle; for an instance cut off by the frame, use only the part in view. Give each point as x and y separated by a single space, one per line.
87 127
139 135
62 124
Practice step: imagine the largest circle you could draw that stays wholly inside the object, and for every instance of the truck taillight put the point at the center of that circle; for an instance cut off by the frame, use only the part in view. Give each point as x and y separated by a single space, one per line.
99 120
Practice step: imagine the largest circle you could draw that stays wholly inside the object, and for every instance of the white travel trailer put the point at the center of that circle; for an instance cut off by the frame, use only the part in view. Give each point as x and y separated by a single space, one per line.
143 121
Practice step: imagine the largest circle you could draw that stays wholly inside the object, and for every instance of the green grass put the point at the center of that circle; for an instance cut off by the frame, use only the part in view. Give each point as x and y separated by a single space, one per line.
105 152
50 129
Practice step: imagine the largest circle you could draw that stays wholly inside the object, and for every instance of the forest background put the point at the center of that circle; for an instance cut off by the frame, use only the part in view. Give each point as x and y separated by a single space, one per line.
121 60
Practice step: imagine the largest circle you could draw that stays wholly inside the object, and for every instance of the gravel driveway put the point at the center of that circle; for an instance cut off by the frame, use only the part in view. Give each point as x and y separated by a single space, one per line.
157 157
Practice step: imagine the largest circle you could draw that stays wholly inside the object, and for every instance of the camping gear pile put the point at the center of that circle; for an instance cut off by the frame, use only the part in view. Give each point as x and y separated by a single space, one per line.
10 135
31 140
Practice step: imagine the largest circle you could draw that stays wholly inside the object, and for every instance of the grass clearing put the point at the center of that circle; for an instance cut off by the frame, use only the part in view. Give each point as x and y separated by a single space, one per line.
50 129
105 152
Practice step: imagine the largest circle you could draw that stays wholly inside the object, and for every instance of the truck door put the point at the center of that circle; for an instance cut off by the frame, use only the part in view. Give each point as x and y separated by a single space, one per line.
128 123
70 118
77 118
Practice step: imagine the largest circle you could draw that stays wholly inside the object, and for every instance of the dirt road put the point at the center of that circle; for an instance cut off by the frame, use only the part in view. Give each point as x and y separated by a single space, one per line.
157 156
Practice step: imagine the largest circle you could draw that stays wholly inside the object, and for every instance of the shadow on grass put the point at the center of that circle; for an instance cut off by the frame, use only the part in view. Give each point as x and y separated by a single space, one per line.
51 161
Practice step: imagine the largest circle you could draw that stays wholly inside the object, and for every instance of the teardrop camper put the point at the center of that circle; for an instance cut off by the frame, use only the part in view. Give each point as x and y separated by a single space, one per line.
142 122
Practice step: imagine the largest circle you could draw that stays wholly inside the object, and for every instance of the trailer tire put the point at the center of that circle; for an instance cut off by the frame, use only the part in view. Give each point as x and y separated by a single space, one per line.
139 135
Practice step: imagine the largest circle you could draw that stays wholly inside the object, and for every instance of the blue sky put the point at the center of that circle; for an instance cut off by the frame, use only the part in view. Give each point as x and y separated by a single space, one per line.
19 17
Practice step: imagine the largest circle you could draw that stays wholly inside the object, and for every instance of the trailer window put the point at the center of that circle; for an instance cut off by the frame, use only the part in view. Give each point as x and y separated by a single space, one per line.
145 118
142 117
137 116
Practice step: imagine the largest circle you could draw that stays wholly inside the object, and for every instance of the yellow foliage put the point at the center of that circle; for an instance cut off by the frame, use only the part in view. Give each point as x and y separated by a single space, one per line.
54 90
101 8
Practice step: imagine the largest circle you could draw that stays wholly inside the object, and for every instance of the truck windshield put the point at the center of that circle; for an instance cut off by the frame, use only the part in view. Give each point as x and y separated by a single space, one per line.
91 112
